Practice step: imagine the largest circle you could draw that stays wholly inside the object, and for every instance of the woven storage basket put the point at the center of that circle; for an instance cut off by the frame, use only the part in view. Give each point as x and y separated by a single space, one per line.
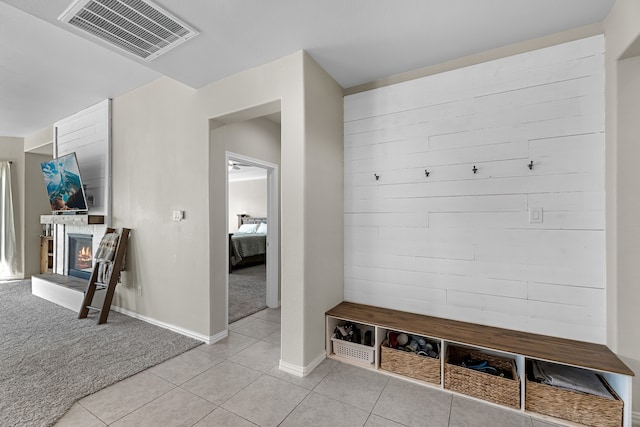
353 351
409 364
481 385
574 406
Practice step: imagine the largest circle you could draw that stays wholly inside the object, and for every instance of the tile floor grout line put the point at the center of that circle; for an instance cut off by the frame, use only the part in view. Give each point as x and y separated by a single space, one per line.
134 410
450 409
263 374
206 415
152 400
381 391
236 393
325 375
388 419
296 407
249 336
235 363
169 381
88 410
240 416
193 377
249 367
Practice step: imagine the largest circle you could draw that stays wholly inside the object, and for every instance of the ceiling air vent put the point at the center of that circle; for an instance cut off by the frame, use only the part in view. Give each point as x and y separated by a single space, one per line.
135 26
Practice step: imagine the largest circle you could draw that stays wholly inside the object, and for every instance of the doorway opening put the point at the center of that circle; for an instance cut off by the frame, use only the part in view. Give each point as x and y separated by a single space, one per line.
253 249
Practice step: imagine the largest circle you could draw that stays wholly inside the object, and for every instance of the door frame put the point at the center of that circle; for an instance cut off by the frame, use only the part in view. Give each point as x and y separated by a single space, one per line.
273 230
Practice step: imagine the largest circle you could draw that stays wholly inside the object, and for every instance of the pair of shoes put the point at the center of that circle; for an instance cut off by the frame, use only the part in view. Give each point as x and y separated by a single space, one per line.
488 370
480 366
474 364
412 346
392 339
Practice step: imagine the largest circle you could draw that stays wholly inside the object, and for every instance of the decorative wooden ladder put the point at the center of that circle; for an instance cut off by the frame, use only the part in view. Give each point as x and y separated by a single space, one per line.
110 286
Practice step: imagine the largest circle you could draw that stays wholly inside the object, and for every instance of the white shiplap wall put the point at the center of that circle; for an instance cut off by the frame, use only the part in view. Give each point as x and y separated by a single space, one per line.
88 134
460 245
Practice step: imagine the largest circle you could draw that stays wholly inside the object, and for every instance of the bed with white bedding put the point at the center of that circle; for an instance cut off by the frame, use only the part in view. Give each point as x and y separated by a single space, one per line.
248 246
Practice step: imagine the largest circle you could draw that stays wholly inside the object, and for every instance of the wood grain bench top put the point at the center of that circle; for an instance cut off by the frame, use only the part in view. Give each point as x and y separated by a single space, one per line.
570 352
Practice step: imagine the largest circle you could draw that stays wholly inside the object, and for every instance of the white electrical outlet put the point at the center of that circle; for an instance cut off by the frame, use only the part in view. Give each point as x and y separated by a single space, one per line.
535 215
139 291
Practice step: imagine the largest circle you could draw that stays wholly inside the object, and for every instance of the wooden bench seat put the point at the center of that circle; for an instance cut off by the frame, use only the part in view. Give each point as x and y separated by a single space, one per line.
570 352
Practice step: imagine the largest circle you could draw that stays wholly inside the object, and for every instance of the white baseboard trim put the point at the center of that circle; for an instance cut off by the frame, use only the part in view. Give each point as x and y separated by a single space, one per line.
205 339
217 337
635 418
302 371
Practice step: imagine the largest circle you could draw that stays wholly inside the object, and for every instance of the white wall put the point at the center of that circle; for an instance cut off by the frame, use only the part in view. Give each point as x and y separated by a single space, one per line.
311 136
38 148
257 138
248 197
159 164
323 204
88 134
36 204
40 142
622 29
166 156
458 244
628 295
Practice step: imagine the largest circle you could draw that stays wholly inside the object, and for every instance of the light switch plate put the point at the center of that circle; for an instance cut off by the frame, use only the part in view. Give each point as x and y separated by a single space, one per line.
178 215
535 215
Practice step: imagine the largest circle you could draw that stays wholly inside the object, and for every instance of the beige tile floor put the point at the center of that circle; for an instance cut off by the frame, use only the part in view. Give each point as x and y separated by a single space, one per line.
236 382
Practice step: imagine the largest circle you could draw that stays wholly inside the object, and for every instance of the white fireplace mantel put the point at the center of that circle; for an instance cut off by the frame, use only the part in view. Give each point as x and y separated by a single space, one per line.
72 219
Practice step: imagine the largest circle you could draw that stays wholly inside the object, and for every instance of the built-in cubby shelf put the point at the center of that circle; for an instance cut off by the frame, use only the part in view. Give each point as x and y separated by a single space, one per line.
516 346
46 254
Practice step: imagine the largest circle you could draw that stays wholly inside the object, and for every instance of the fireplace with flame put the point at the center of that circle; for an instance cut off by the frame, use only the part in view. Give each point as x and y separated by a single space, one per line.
80 255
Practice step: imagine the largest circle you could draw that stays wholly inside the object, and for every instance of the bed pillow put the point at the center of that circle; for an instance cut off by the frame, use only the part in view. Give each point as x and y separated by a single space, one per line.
262 228
248 228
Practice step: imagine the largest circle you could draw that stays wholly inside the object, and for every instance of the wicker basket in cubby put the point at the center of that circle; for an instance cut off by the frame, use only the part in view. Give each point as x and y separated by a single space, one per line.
500 390
409 364
574 406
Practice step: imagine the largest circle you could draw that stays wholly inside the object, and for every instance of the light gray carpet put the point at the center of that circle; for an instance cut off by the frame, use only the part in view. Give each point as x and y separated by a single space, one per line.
49 359
247 291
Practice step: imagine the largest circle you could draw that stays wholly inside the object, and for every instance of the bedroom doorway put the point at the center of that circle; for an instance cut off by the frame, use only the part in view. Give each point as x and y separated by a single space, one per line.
253 254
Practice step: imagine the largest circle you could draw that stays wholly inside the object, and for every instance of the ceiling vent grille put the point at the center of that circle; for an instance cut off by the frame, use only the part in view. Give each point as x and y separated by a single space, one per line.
135 26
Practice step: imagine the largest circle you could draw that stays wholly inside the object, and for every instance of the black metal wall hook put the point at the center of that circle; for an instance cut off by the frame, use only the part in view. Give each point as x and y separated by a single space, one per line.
377 176
426 173
530 165
475 169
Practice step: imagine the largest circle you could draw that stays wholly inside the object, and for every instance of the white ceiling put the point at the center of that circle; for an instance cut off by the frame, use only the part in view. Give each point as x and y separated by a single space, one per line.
48 71
247 173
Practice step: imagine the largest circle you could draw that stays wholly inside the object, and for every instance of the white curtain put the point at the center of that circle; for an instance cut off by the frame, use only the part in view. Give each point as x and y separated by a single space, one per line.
8 255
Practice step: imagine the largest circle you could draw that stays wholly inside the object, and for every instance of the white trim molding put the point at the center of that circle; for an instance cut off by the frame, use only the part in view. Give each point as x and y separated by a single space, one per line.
191 334
635 418
273 216
302 371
